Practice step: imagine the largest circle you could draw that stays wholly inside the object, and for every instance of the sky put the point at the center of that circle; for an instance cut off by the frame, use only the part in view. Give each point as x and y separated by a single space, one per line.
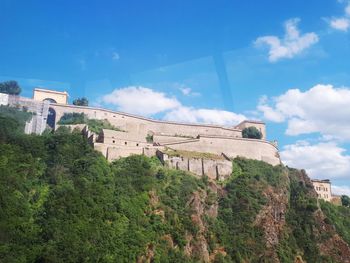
284 62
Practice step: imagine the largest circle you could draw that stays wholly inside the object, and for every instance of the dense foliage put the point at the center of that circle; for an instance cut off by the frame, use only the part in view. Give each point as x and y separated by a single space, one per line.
10 87
234 227
299 237
81 102
80 118
60 201
251 133
339 216
345 200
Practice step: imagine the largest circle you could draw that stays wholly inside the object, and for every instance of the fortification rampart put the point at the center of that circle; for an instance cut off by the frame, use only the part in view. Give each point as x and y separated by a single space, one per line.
179 136
143 126
233 147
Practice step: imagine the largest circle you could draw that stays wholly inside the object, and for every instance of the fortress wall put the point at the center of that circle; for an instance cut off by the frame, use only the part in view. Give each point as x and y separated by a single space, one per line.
233 147
101 147
150 151
142 126
112 137
117 152
224 169
209 167
196 166
163 139
125 143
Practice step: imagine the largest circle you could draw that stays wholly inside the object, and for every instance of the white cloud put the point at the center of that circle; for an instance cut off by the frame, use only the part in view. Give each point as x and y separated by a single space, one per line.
347 9
341 23
211 116
115 56
291 45
188 91
321 160
269 113
147 102
323 109
140 100
341 190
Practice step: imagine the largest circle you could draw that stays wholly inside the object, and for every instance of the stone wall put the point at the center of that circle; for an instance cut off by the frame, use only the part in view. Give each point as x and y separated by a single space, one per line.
233 147
227 140
114 153
164 139
143 126
214 169
40 109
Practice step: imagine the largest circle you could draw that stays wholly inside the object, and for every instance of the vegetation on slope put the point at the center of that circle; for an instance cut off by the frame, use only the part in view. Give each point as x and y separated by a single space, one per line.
192 154
80 118
60 201
339 216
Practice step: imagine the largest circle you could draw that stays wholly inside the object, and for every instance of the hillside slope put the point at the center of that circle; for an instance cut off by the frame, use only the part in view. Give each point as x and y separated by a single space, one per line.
60 201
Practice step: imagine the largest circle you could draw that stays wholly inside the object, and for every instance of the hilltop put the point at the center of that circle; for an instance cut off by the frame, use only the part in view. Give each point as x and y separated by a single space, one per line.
61 201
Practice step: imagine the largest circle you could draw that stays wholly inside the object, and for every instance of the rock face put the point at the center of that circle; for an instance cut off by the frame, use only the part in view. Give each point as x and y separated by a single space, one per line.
288 210
272 219
197 245
334 246
203 204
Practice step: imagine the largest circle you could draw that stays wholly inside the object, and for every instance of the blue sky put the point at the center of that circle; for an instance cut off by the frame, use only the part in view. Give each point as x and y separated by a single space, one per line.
284 62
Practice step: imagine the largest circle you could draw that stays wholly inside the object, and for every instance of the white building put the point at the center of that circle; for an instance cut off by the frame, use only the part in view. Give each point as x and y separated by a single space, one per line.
323 189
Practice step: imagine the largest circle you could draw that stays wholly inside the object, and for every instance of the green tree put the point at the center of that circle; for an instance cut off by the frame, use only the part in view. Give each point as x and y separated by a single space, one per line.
251 133
81 101
10 87
345 200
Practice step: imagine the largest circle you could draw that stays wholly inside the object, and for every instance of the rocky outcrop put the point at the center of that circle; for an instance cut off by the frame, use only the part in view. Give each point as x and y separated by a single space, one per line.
203 204
271 217
333 246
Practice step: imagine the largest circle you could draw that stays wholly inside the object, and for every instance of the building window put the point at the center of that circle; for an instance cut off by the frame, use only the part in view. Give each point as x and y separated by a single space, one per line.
126 143
137 144
113 141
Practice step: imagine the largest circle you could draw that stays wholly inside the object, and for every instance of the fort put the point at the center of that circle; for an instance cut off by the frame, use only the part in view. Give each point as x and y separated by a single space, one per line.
141 135
202 149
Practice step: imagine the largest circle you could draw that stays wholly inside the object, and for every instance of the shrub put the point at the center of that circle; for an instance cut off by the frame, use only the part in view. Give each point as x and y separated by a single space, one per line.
81 102
251 133
345 200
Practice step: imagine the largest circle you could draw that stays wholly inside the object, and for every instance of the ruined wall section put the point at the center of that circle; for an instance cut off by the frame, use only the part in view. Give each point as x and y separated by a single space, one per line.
40 109
214 169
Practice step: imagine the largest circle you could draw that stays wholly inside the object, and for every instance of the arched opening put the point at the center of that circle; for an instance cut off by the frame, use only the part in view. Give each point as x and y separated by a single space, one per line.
50 100
51 118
